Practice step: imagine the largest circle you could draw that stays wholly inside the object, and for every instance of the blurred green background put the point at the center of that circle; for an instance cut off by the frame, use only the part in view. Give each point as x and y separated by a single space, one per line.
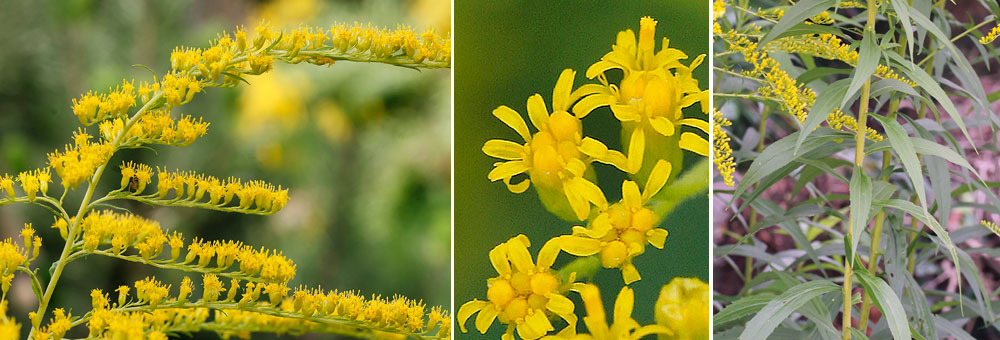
507 51
364 148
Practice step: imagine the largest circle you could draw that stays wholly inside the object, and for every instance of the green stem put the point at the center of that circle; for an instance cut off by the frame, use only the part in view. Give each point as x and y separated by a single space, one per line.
859 155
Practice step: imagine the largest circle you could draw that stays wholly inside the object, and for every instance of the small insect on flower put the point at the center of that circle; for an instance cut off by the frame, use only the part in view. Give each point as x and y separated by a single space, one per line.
133 184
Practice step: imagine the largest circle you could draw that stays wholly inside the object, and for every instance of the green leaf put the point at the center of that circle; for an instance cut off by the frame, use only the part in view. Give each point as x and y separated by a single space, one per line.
903 12
931 86
739 309
803 28
796 15
861 204
903 146
826 102
886 301
922 215
868 58
779 154
776 311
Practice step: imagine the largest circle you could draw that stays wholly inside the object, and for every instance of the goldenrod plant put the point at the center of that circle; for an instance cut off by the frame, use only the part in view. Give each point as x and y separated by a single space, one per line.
661 110
843 159
231 288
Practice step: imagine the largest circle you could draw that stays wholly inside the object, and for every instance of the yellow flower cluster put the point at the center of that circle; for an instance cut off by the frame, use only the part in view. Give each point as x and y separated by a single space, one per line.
382 43
988 38
991 226
829 46
556 158
838 120
156 127
154 312
718 9
78 162
722 153
683 308
125 231
621 232
60 323
94 107
7 185
525 294
32 182
9 328
650 98
189 187
122 231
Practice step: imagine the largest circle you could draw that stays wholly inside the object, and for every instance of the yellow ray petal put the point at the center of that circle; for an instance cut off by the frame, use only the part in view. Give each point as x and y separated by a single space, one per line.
656 237
630 194
583 107
657 179
623 304
518 187
599 67
663 126
467 310
626 113
694 143
630 274
513 120
519 256
504 149
581 246
562 90
699 124
498 257
636 149
559 304
508 169
486 317
547 256
537 112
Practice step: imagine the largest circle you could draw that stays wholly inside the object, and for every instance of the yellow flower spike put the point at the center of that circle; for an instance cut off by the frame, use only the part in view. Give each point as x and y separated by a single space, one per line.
988 38
683 308
524 295
722 153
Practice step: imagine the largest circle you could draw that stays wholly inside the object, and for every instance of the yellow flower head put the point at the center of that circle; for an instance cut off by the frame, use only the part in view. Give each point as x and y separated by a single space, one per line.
622 327
525 293
7 185
557 158
683 308
622 231
649 101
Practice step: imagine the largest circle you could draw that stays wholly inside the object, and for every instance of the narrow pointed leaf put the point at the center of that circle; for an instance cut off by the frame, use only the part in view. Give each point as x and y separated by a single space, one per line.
886 301
861 203
796 15
776 311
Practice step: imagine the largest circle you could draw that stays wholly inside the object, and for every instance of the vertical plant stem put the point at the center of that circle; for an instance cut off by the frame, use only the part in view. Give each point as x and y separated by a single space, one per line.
74 229
859 156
